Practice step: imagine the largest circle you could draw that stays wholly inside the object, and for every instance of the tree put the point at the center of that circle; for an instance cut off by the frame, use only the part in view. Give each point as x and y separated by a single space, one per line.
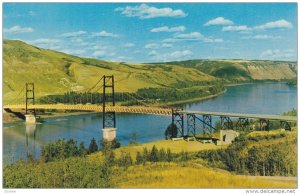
82 150
139 158
153 157
169 156
125 160
162 156
110 158
171 131
71 148
93 146
145 154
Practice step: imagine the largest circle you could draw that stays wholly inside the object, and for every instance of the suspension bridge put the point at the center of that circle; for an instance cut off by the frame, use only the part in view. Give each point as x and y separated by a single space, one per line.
106 88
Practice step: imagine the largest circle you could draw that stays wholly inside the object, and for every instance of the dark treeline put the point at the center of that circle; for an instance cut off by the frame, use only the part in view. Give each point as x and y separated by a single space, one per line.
86 97
264 160
62 149
178 91
174 94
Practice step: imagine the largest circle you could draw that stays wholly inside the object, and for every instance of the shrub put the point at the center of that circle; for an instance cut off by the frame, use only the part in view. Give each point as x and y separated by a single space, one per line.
93 146
139 158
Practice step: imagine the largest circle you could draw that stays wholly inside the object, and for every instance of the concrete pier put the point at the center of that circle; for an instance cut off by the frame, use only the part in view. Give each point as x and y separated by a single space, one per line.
109 134
227 137
30 119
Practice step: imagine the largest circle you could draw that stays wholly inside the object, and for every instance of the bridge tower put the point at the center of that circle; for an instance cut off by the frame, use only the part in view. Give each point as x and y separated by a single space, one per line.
109 117
30 112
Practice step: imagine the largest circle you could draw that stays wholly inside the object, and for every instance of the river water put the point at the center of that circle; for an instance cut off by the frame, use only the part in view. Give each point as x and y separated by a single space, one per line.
259 98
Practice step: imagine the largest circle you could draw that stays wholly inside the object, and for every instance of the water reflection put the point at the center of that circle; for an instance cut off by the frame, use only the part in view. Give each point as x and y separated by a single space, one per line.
30 135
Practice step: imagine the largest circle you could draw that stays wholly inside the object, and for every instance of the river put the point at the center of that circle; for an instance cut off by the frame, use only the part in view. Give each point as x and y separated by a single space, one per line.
259 98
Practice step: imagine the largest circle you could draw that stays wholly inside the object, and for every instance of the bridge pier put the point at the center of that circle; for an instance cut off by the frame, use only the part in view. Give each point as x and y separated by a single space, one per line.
30 119
109 134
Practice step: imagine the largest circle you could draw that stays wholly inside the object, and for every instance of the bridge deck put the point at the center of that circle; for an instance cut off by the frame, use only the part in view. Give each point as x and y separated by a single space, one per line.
238 115
98 108
150 110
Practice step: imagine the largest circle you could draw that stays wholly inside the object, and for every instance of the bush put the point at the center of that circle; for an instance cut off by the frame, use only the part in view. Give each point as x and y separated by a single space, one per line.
61 149
153 156
171 131
69 173
109 145
93 146
125 160
139 158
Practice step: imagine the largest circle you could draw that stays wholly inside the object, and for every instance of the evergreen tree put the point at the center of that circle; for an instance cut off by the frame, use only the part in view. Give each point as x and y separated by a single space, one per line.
82 150
145 154
162 156
153 157
139 158
169 156
93 146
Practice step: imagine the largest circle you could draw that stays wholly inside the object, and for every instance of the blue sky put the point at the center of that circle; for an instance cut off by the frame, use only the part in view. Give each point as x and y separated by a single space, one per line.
153 32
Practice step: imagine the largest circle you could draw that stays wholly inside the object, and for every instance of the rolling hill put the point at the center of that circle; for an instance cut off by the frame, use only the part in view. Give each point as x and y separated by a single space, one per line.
56 73
243 70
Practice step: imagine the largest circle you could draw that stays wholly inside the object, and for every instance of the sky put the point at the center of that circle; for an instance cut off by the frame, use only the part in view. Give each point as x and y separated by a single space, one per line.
157 32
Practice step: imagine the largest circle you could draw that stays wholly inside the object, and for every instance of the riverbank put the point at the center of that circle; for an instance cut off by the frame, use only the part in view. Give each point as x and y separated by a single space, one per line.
10 117
196 99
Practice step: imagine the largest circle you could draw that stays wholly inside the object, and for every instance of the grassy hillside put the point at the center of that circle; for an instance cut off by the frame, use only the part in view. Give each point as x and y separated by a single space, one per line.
243 70
55 73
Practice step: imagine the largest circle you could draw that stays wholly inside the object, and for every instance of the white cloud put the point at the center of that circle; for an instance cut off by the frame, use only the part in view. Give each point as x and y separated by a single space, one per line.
274 24
236 28
99 47
144 11
169 29
105 34
17 30
189 36
269 25
45 41
102 53
179 54
167 45
73 34
261 37
152 53
77 40
74 52
129 45
172 40
277 54
124 58
211 40
193 36
151 46
218 21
